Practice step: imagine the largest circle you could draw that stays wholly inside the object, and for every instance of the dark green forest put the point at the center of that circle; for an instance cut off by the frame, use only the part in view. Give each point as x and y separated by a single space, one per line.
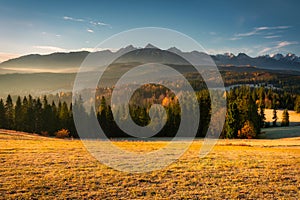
244 119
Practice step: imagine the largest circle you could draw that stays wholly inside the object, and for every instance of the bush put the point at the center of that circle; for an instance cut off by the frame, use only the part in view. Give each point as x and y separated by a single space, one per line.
45 133
63 133
248 131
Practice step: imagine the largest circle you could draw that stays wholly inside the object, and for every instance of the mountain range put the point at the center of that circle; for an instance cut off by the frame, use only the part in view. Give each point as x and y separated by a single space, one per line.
70 62
274 61
54 73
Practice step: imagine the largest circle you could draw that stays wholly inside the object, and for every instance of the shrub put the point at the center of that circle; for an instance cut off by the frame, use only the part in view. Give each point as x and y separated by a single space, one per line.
248 131
63 133
45 133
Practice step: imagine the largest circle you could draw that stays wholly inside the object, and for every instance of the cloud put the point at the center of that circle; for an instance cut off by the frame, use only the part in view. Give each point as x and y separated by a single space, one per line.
73 19
275 47
272 36
265 50
90 30
254 32
284 43
87 22
258 30
235 38
95 23
50 48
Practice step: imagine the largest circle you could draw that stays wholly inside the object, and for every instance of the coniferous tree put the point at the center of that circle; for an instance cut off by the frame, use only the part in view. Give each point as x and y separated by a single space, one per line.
54 118
24 116
2 114
102 114
297 104
9 112
285 118
204 106
232 121
261 95
81 114
18 114
38 115
274 117
253 115
262 116
63 115
47 121
30 117
71 125
110 123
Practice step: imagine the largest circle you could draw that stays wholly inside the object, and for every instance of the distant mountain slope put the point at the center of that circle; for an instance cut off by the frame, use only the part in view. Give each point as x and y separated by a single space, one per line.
70 62
36 84
55 62
264 62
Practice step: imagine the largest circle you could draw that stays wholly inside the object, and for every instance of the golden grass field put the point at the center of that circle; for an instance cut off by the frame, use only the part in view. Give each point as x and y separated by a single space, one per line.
34 167
293 116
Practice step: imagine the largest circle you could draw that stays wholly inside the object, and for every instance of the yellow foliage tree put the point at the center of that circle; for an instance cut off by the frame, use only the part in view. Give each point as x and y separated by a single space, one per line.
248 131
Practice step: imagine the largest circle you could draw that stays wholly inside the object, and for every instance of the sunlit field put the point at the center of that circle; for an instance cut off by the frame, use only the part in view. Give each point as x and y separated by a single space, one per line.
44 168
294 117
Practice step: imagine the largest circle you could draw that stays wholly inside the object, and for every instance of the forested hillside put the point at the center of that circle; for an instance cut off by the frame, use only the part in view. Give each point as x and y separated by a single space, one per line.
245 111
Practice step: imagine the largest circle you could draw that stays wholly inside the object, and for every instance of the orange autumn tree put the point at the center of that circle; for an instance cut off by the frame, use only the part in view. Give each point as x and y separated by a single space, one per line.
248 131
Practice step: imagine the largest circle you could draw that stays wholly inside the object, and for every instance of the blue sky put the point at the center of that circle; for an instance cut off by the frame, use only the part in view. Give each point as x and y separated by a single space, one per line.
253 27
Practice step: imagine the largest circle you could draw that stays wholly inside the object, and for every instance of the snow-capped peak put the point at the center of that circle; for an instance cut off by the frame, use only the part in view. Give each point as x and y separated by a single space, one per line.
276 56
230 55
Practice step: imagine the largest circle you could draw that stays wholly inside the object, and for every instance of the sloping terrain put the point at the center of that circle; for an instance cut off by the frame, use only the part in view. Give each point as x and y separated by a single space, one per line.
34 167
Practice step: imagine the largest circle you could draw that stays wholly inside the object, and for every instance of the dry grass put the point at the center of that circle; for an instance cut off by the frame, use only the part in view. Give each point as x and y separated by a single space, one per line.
294 117
43 168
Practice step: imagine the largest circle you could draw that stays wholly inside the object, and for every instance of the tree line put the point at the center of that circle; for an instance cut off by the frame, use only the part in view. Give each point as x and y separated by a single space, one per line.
244 119
36 116
246 110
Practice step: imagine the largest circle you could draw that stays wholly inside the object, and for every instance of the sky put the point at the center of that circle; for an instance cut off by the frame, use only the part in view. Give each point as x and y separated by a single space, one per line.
252 27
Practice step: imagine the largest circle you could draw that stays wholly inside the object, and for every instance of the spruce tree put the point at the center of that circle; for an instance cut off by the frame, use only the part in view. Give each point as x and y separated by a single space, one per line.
110 123
2 114
71 125
232 121
38 115
24 116
47 121
55 119
30 118
297 104
18 114
102 114
63 115
285 118
9 112
253 115
274 117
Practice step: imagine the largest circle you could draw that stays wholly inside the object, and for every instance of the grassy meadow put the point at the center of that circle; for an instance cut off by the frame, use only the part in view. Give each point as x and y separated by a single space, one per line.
294 117
35 167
